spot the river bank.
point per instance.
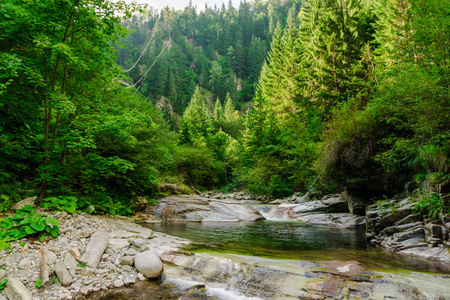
(56, 269)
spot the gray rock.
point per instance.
(27, 201)
(63, 275)
(148, 264)
(302, 199)
(122, 234)
(127, 268)
(127, 260)
(400, 228)
(117, 244)
(15, 290)
(130, 252)
(69, 260)
(3, 273)
(416, 233)
(95, 249)
(435, 231)
(409, 219)
(138, 229)
(26, 262)
(139, 244)
(86, 289)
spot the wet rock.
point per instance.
(15, 290)
(148, 264)
(95, 249)
(63, 275)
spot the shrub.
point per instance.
(26, 223)
(431, 205)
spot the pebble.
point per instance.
(118, 283)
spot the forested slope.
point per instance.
(269, 97)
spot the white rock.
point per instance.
(15, 290)
(149, 264)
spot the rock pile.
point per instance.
(90, 254)
(394, 226)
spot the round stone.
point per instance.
(149, 264)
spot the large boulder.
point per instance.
(149, 264)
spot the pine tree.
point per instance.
(196, 118)
(218, 117)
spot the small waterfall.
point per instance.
(269, 212)
(282, 212)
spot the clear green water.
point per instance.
(293, 240)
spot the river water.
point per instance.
(293, 240)
(270, 242)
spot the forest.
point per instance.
(105, 101)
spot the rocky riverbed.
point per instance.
(91, 254)
(97, 256)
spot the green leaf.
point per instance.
(38, 226)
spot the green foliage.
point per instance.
(82, 265)
(24, 223)
(61, 203)
(3, 283)
(431, 205)
(39, 282)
